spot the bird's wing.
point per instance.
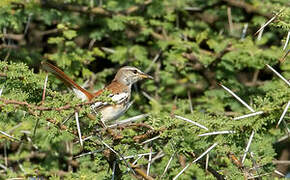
(80, 92)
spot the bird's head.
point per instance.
(129, 75)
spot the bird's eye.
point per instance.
(135, 71)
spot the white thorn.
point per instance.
(287, 40)
(216, 132)
(149, 140)
(284, 113)
(78, 126)
(266, 24)
(279, 75)
(131, 119)
(1, 90)
(149, 162)
(167, 166)
(139, 155)
(279, 173)
(114, 168)
(206, 161)
(249, 115)
(248, 147)
(203, 154)
(188, 120)
(238, 98)
(5, 134)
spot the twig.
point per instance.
(137, 7)
(247, 7)
(256, 177)
(118, 154)
(68, 118)
(16, 37)
(287, 41)
(188, 120)
(248, 115)
(280, 162)
(203, 154)
(85, 139)
(248, 146)
(109, 50)
(237, 97)
(137, 160)
(148, 96)
(43, 108)
(78, 126)
(88, 153)
(283, 114)
(42, 102)
(282, 138)
(15, 127)
(279, 75)
(193, 9)
(5, 154)
(142, 173)
(2, 46)
(216, 132)
(35, 127)
(230, 21)
(281, 60)
(80, 9)
(255, 166)
(113, 170)
(159, 155)
(153, 62)
(3, 167)
(27, 24)
(91, 44)
(9, 51)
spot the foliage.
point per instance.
(194, 49)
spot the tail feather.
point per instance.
(67, 80)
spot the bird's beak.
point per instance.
(145, 76)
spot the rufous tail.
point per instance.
(67, 80)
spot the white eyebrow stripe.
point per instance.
(132, 69)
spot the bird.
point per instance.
(119, 88)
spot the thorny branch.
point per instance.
(43, 108)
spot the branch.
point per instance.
(141, 172)
(43, 108)
(247, 7)
(3, 74)
(16, 37)
(137, 7)
(75, 8)
(3, 46)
